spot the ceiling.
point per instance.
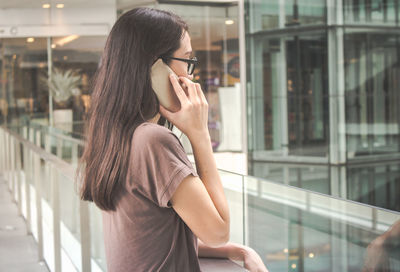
(206, 24)
(121, 4)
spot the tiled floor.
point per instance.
(18, 250)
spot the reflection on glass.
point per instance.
(214, 35)
(376, 184)
(372, 12)
(265, 15)
(295, 230)
(22, 61)
(371, 79)
(288, 102)
(75, 60)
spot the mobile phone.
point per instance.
(162, 86)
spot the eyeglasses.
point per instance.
(191, 63)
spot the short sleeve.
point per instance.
(158, 163)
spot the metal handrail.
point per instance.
(12, 144)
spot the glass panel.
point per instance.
(310, 177)
(296, 230)
(22, 95)
(372, 12)
(375, 184)
(233, 188)
(288, 98)
(97, 249)
(371, 80)
(75, 60)
(265, 15)
(69, 221)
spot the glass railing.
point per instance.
(292, 229)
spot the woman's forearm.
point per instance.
(208, 173)
(230, 250)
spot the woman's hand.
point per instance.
(252, 261)
(376, 258)
(236, 252)
(192, 118)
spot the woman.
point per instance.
(154, 204)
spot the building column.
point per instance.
(337, 122)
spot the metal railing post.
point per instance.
(54, 183)
(38, 191)
(6, 157)
(59, 148)
(85, 235)
(13, 172)
(74, 154)
(2, 153)
(27, 189)
(18, 174)
(9, 178)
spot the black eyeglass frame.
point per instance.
(191, 63)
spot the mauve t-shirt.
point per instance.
(145, 233)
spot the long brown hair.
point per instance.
(123, 98)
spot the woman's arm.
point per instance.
(251, 260)
(199, 201)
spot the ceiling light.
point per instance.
(229, 22)
(46, 6)
(53, 46)
(60, 6)
(30, 40)
(311, 255)
(67, 39)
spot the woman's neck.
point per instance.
(154, 119)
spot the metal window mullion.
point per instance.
(337, 120)
(243, 79)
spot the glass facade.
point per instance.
(322, 96)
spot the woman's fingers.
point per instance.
(191, 89)
(200, 93)
(178, 89)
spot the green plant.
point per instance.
(63, 84)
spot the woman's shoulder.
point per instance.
(153, 133)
